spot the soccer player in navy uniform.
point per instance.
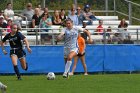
(16, 40)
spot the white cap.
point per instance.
(1, 17)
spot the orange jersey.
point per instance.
(81, 44)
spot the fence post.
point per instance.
(75, 3)
(130, 13)
(106, 7)
(114, 7)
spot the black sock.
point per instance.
(17, 71)
(26, 66)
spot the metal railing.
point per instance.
(36, 35)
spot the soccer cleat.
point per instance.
(3, 88)
(71, 74)
(65, 75)
(85, 74)
(19, 78)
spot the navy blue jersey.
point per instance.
(15, 40)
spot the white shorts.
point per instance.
(68, 50)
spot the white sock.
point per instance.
(67, 66)
(1, 85)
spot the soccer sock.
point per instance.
(17, 71)
(67, 66)
(26, 66)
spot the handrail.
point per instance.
(23, 17)
(132, 2)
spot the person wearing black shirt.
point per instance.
(16, 40)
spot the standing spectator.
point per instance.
(8, 12)
(56, 18)
(80, 15)
(28, 12)
(16, 40)
(81, 55)
(73, 17)
(70, 44)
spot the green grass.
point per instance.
(108, 83)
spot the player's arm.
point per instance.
(2, 44)
(3, 49)
(27, 45)
(22, 37)
(60, 36)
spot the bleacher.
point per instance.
(111, 21)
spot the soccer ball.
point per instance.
(50, 76)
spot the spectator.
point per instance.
(45, 22)
(46, 11)
(85, 34)
(80, 15)
(123, 29)
(89, 15)
(100, 29)
(28, 12)
(63, 17)
(72, 7)
(56, 18)
(73, 17)
(40, 9)
(116, 39)
(8, 12)
(108, 35)
(2, 25)
(36, 18)
(128, 40)
(9, 25)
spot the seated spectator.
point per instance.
(73, 17)
(128, 40)
(9, 25)
(89, 15)
(85, 34)
(36, 18)
(56, 18)
(45, 22)
(100, 28)
(80, 15)
(40, 9)
(2, 25)
(107, 36)
(116, 39)
(46, 12)
(123, 29)
(28, 12)
(8, 12)
(72, 7)
(62, 16)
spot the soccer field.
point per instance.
(108, 83)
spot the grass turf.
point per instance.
(108, 83)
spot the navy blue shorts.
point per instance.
(79, 55)
(20, 53)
